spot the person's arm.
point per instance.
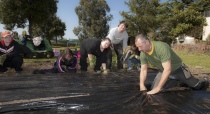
(104, 66)
(163, 79)
(90, 57)
(142, 77)
(59, 65)
(73, 63)
(125, 42)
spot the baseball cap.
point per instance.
(6, 33)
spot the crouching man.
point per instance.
(10, 53)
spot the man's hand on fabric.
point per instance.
(154, 90)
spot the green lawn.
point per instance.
(195, 60)
(201, 61)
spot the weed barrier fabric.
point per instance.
(116, 93)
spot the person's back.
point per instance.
(161, 52)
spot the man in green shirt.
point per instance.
(170, 65)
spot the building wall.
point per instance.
(206, 29)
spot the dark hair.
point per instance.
(103, 39)
(123, 22)
(67, 51)
(134, 49)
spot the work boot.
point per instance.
(204, 84)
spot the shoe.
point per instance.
(129, 69)
(204, 84)
(18, 73)
(97, 72)
(138, 68)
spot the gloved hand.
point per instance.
(105, 72)
(91, 64)
(64, 68)
(2, 58)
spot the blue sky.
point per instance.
(67, 14)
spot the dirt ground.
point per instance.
(28, 69)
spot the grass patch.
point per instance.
(195, 60)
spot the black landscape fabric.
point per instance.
(116, 93)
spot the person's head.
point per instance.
(6, 37)
(24, 33)
(122, 26)
(134, 49)
(37, 41)
(67, 54)
(105, 43)
(142, 43)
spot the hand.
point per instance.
(143, 88)
(91, 64)
(154, 91)
(136, 56)
(112, 47)
(105, 72)
(2, 58)
(64, 67)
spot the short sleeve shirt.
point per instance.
(162, 53)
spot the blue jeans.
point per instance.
(132, 60)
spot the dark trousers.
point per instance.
(119, 52)
(14, 62)
(176, 78)
(83, 60)
(98, 63)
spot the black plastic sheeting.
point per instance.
(116, 93)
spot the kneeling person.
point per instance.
(66, 63)
(96, 47)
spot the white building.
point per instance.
(206, 29)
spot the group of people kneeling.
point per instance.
(159, 54)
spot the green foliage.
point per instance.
(17, 13)
(165, 21)
(93, 19)
(141, 17)
(53, 28)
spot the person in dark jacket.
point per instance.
(98, 48)
(66, 63)
(10, 53)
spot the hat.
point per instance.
(5, 33)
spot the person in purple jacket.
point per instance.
(66, 63)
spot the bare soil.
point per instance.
(28, 69)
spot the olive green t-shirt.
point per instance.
(162, 52)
